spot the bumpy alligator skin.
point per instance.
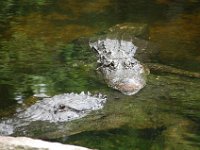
(60, 108)
(118, 65)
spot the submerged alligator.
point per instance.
(120, 54)
(117, 62)
(118, 65)
(59, 108)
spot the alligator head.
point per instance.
(118, 65)
(59, 108)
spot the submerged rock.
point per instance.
(59, 108)
(24, 143)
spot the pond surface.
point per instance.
(39, 56)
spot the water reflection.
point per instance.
(6, 96)
(177, 40)
(37, 56)
(116, 138)
(31, 67)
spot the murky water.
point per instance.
(37, 56)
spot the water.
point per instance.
(37, 56)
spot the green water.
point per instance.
(39, 53)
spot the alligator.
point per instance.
(118, 65)
(59, 108)
(120, 53)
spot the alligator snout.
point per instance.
(129, 87)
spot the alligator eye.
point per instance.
(133, 63)
(61, 106)
(105, 51)
(109, 53)
(127, 64)
(112, 65)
